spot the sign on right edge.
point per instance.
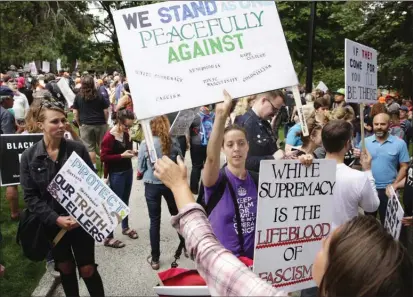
(360, 73)
(394, 216)
(294, 214)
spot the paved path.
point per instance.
(125, 271)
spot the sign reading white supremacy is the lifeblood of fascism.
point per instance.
(295, 207)
(360, 73)
(87, 198)
(394, 215)
(183, 54)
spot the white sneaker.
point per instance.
(50, 267)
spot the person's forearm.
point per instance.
(400, 184)
(402, 173)
(184, 194)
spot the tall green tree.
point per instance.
(43, 30)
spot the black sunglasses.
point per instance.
(50, 104)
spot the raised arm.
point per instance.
(210, 173)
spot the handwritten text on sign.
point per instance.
(294, 215)
(201, 47)
(87, 198)
(360, 73)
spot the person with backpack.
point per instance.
(164, 145)
(230, 196)
(200, 132)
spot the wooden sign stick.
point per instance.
(59, 236)
(363, 143)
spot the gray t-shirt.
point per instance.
(7, 122)
(393, 107)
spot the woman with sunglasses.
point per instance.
(39, 165)
(116, 153)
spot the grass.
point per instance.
(21, 275)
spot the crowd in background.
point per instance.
(246, 130)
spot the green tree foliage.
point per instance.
(44, 30)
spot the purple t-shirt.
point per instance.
(223, 219)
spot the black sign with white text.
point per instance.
(11, 148)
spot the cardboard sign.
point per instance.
(394, 215)
(67, 92)
(12, 147)
(295, 207)
(360, 73)
(46, 66)
(183, 54)
(182, 122)
(322, 86)
(87, 198)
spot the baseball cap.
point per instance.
(341, 91)
(404, 108)
(5, 91)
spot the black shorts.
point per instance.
(76, 245)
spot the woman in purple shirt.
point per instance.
(233, 142)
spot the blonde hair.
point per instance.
(345, 113)
(31, 121)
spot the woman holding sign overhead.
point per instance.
(231, 192)
(39, 165)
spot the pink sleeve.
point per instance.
(224, 274)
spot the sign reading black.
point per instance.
(11, 148)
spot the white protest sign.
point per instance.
(295, 208)
(66, 91)
(394, 215)
(360, 73)
(26, 67)
(46, 66)
(182, 54)
(59, 64)
(33, 68)
(322, 86)
(87, 198)
(182, 122)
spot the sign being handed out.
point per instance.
(294, 214)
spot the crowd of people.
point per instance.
(359, 258)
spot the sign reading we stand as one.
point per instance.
(295, 209)
(182, 54)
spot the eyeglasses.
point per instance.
(49, 104)
(274, 109)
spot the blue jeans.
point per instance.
(121, 184)
(153, 194)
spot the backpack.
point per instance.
(216, 197)
(32, 237)
(206, 127)
(54, 89)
